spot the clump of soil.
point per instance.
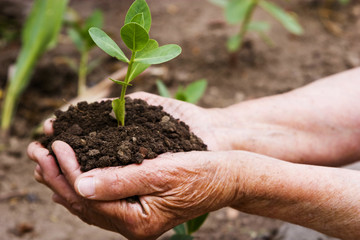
(98, 141)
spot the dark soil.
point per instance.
(99, 142)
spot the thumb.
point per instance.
(116, 183)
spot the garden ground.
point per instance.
(330, 45)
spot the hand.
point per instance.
(171, 189)
(207, 124)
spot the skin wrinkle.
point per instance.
(283, 201)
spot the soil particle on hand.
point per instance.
(99, 142)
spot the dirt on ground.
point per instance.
(330, 44)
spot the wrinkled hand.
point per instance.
(171, 189)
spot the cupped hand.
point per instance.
(170, 189)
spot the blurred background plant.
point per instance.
(344, 2)
(78, 32)
(38, 35)
(241, 12)
(192, 93)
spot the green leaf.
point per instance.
(120, 82)
(139, 18)
(76, 38)
(233, 43)
(163, 91)
(180, 229)
(236, 10)
(159, 55)
(194, 91)
(134, 36)
(138, 68)
(151, 45)
(287, 20)
(107, 44)
(194, 224)
(139, 6)
(258, 26)
(181, 237)
(220, 3)
(344, 2)
(118, 106)
(180, 94)
(44, 23)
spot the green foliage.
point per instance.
(104, 42)
(194, 224)
(344, 2)
(241, 12)
(144, 51)
(192, 93)
(78, 32)
(287, 20)
(236, 10)
(39, 34)
(78, 28)
(134, 36)
(181, 237)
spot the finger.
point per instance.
(49, 174)
(38, 175)
(122, 182)
(67, 161)
(31, 148)
(48, 126)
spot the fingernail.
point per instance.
(86, 187)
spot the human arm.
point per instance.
(174, 188)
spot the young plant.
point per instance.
(344, 2)
(39, 34)
(192, 93)
(144, 51)
(78, 32)
(241, 12)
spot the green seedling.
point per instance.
(191, 93)
(144, 51)
(78, 32)
(344, 2)
(241, 12)
(39, 34)
(185, 230)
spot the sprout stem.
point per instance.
(124, 87)
(246, 22)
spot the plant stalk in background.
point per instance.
(241, 12)
(78, 32)
(39, 34)
(144, 51)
